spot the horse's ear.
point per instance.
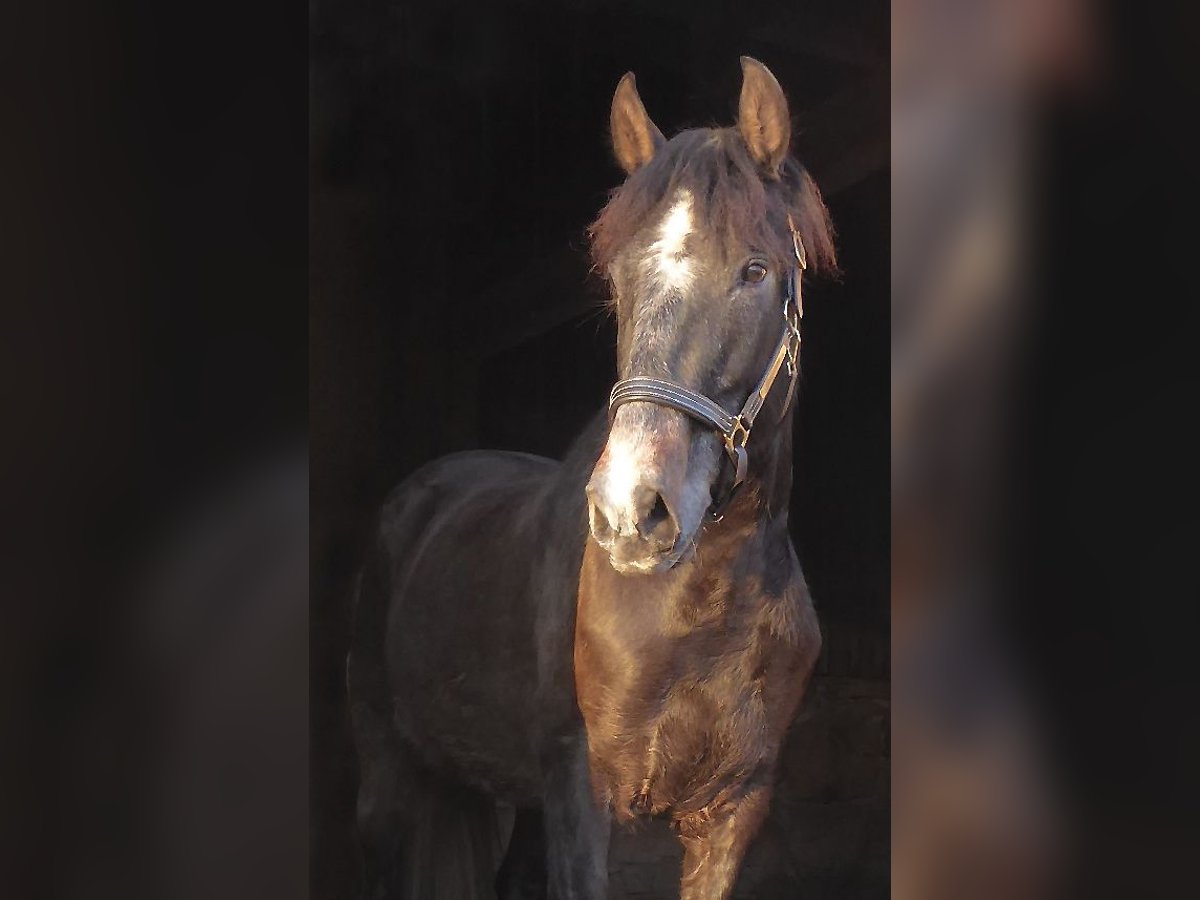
(763, 115)
(634, 137)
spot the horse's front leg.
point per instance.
(715, 841)
(577, 828)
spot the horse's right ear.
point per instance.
(634, 137)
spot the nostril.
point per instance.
(657, 525)
(602, 530)
(658, 513)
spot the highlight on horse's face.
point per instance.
(697, 305)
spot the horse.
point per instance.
(628, 632)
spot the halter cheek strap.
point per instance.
(734, 429)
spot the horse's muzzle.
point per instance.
(639, 536)
(640, 507)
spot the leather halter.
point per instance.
(734, 429)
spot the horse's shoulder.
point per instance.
(500, 462)
(468, 470)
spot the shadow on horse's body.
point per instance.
(583, 640)
(482, 551)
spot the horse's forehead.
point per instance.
(673, 245)
(667, 256)
(677, 223)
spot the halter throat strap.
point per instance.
(734, 429)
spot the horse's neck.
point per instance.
(748, 553)
(752, 534)
(581, 456)
(771, 468)
(565, 493)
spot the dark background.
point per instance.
(153, 352)
(458, 152)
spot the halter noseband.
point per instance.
(734, 429)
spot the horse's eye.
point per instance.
(754, 273)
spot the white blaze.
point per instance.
(671, 267)
(629, 455)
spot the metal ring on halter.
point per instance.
(739, 429)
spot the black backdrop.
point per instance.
(457, 153)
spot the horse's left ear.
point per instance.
(763, 115)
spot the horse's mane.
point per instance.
(729, 192)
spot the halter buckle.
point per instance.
(797, 244)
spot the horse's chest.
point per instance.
(705, 737)
(684, 703)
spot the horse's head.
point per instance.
(697, 248)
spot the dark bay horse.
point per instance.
(625, 633)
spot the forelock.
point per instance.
(729, 198)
